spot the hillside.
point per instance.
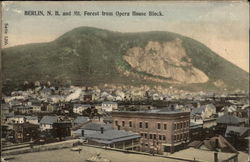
(93, 56)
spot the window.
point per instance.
(151, 136)
(163, 138)
(146, 125)
(116, 122)
(130, 123)
(141, 134)
(146, 135)
(180, 136)
(180, 125)
(184, 125)
(158, 125)
(140, 124)
(174, 126)
(174, 137)
(123, 123)
(159, 137)
(165, 126)
(154, 136)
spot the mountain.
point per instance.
(87, 55)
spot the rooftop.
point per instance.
(49, 119)
(201, 155)
(110, 136)
(97, 126)
(229, 119)
(81, 119)
(155, 111)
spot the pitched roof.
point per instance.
(223, 144)
(81, 105)
(31, 117)
(109, 102)
(110, 136)
(229, 119)
(199, 110)
(49, 119)
(195, 144)
(97, 126)
(240, 130)
(81, 119)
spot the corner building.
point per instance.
(160, 130)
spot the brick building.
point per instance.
(25, 132)
(161, 130)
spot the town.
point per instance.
(166, 123)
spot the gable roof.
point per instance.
(82, 105)
(81, 119)
(229, 119)
(201, 109)
(240, 130)
(31, 117)
(210, 144)
(49, 119)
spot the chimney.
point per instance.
(216, 157)
(216, 143)
(82, 133)
(102, 129)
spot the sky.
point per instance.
(222, 26)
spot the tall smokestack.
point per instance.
(82, 133)
(216, 157)
(102, 129)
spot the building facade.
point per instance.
(160, 131)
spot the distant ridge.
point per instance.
(88, 55)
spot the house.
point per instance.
(22, 109)
(32, 119)
(228, 120)
(109, 106)
(79, 108)
(205, 111)
(51, 108)
(36, 106)
(18, 119)
(46, 122)
(238, 136)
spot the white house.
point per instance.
(109, 106)
(18, 119)
(205, 111)
(79, 108)
(32, 119)
(47, 122)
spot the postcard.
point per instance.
(125, 81)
